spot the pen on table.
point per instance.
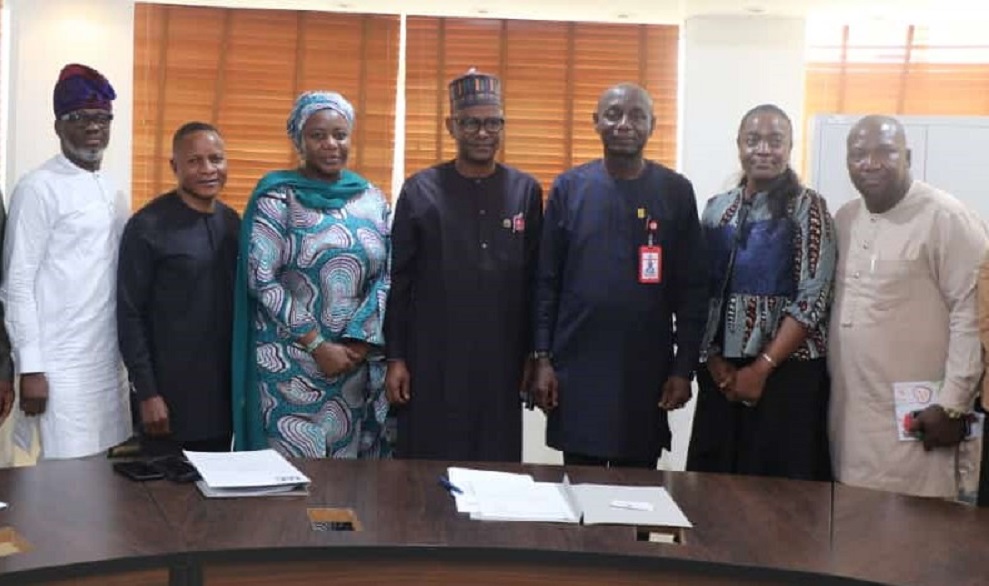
(449, 486)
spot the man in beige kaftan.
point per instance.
(904, 311)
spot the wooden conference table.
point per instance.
(86, 525)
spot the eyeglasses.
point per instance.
(83, 119)
(473, 125)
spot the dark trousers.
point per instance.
(572, 459)
(154, 447)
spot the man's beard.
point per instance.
(87, 154)
(465, 154)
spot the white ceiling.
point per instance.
(645, 11)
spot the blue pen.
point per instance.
(449, 486)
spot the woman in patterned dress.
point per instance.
(311, 287)
(763, 401)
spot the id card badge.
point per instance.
(651, 265)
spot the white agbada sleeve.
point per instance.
(29, 227)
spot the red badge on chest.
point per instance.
(518, 223)
(650, 264)
(650, 255)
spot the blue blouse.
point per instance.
(783, 267)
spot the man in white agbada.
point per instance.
(904, 312)
(59, 261)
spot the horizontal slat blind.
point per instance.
(535, 91)
(552, 73)
(438, 50)
(241, 70)
(898, 69)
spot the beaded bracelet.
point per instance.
(315, 343)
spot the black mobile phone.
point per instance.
(176, 469)
(138, 471)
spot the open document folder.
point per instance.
(241, 474)
(502, 496)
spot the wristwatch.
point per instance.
(540, 354)
(966, 418)
(952, 413)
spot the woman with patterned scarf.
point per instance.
(312, 280)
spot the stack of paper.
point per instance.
(501, 496)
(242, 474)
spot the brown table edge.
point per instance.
(186, 568)
(177, 565)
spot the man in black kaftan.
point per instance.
(175, 302)
(457, 326)
(620, 300)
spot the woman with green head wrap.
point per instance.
(312, 280)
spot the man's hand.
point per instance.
(34, 393)
(397, 382)
(547, 386)
(722, 372)
(334, 359)
(527, 394)
(6, 399)
(154, 416)
(936, 429)
(676, 393)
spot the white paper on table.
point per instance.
(245, 469)
(503, 496)
(474, 484)
(542, 501)
(917, 396)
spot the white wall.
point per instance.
(534, 447)
(47, 35)
(731, 63)
(940, 147)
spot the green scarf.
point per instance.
(315, 194)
